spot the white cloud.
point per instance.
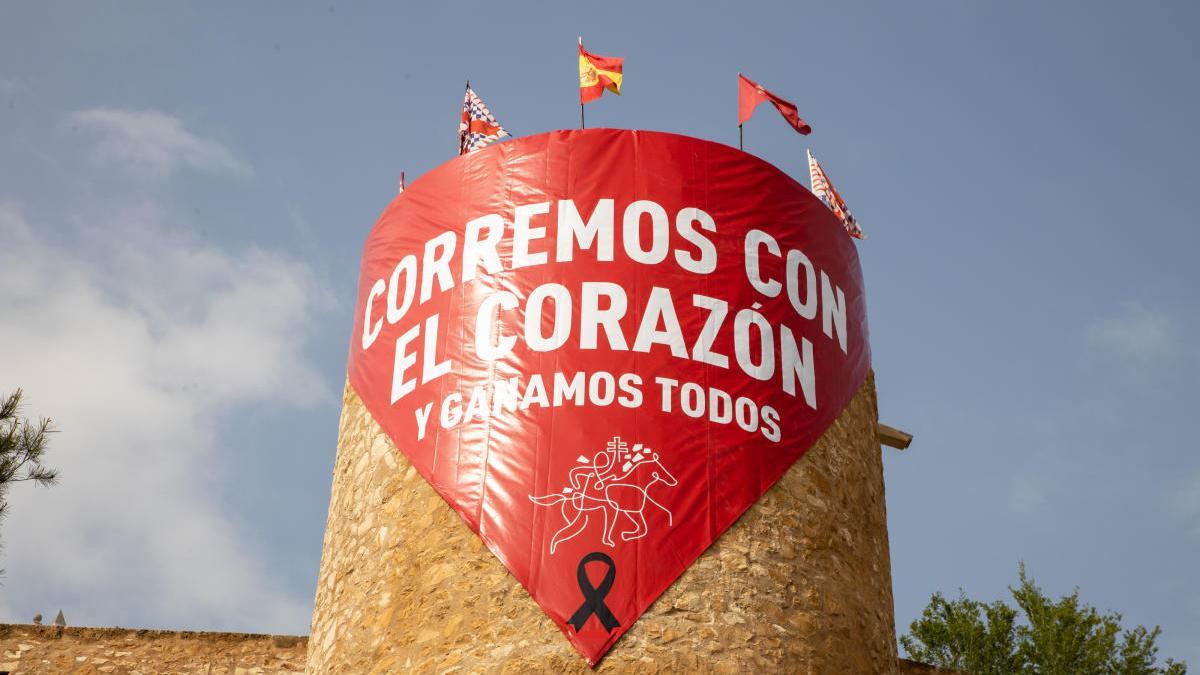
(136, 347)
(154, 143)
(1137, 333)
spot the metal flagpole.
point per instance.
(582, 122)
(740, 138)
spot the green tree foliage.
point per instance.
(22, 446)
(1040, 635)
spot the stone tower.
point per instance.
(713, 276)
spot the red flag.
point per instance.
(751, 93)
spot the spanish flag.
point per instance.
(597, 73)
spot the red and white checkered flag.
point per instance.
(824, 190)
(478, 127)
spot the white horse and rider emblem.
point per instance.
(615, 483)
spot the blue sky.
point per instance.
(184, 192)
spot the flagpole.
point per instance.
(740, 138)
(582, 121)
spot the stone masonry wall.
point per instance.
(34, 650)
(801, 583)
(43, 649)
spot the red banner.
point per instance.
(601, 347)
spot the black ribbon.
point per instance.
(593, 596)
